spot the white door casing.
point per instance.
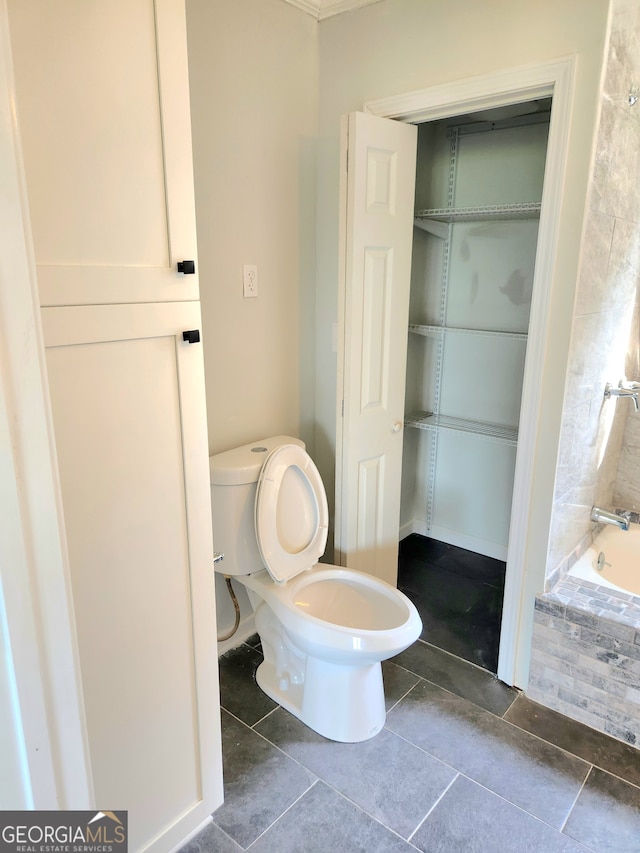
(525, 577)
(377, 200)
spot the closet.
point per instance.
(478, 192)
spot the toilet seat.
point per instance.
(291, 513)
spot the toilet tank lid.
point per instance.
(242, 465)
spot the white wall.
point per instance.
(253, 67)
(402, 45)
(254, 91)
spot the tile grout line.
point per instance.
(280, 816)
(573, 804)
(274, 745)
(368, 814)
(433, 806)
(459, 773)
(404, 695)
(257, 722)
(512, 725)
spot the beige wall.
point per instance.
(253, 69)
(402, 45)
(254, 88)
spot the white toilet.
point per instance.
(324, 629)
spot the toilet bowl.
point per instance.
(324, 629)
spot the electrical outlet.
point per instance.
(249, 281)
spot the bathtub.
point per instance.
(621, 549)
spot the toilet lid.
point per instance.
(291, 513)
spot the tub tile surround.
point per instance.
(585, 660)
(444, 774)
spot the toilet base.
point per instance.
(342, 703)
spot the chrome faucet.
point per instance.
(604, 516)
(624, 389)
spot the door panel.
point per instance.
(379, 214)
(128, 408)
(105, 128)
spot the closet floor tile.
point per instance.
(459, 597)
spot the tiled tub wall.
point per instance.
(585, 658)
(597, 462)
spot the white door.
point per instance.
(378, 204)
(103, 105)
(127, 395)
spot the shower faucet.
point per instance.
(624, 389)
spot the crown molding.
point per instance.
(312, 7)
(335, 7)
(320, 9)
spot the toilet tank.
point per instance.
(234, 481)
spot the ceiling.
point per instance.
(320, 9)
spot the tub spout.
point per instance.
(604, 516)
(624, 389)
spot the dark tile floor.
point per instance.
(464, 763)
(458, 594)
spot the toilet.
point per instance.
(324, 629)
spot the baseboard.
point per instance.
(453, 537)
(246, 629)
(205, 823)
(471, 543)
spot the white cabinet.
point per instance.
(103, 100)
(127, 395)
(103, 106)
(478, 195)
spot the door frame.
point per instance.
(524, 579)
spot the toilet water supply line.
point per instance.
(216, 559)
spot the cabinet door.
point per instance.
(103, 105)
(127, 395)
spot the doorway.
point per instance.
(522, 580)
(479, 180)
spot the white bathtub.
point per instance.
(621, 550)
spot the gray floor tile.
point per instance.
(260, 782)
(540, 778)
(397, 682)
(606, 817)
(389, 778)
(470, 819)
(212, 840)
(324, 821)
(458, 676)
(606, 752)
(239, 692)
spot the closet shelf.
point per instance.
(494, 432)
(525, 210)
(440, 331)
